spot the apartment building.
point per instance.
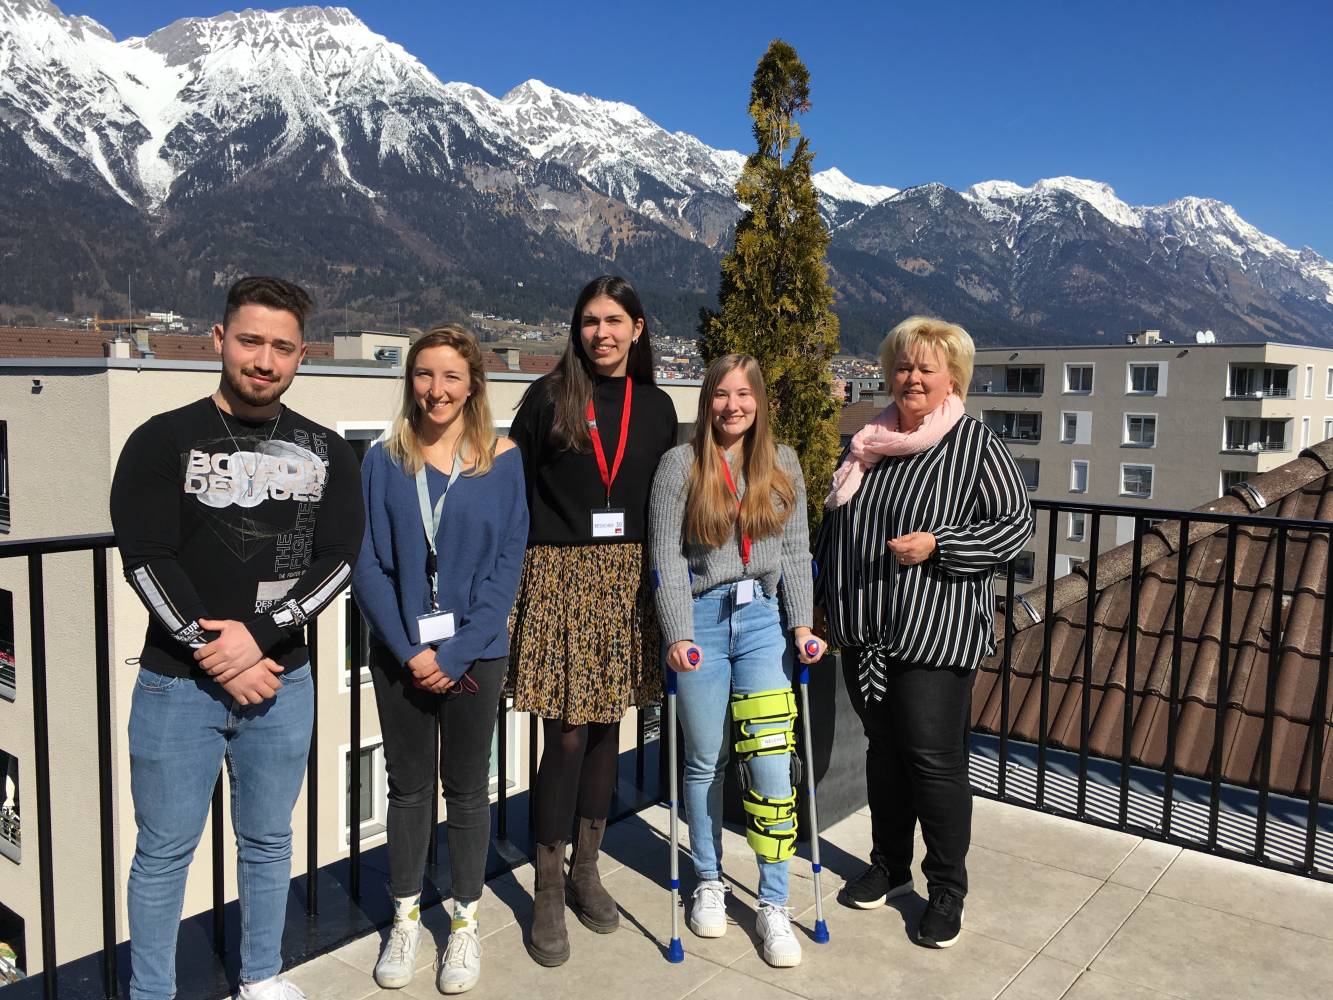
(63, 423)
(1146, 423)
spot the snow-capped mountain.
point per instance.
(302, 140)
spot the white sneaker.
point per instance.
(273, 988)
(708, 914)
(461, 966)
(398, 960)
(781, 949)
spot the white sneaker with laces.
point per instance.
(708, 914)
(461, 966)
(398, 960)
(273, 988)
(781, 948)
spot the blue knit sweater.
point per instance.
(483, 533)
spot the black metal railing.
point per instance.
(105, 980)
(1207, 809)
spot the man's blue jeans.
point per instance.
(181, 731)
(745, 649)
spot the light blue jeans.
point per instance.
(745, 649)
(181, 731)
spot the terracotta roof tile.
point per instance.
(1300, 490)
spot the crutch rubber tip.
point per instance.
(821, 932)
(811, 647)
(676, 951)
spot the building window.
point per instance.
(13, 967)
(1263, 382)
(1141, 430)
(1136, 480)
(1068, 427)
(1025, 566)
(1012, 426)
(1328, 385)
(1031, 470)
(1078, 477)
(1305, 432)
(1144, 379)
(1328, 428)
(1244, 434)
(374, 805)
(8, 676)
(1232, 477)
(1024, 381)
(11, 829)
(1078, 525)
(1078, 379)
(4, 476)
(1309, 381)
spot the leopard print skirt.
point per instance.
(584, 641)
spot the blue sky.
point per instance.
(1228, 100)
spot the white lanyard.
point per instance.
(430, 521)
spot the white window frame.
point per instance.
(1127, 442)
(1161, 378)
(1223, 486)
(1328, 385)
(1064, 564)
(1092, 378)
(1073, 475)
(1309, 381)
(374, 830)
(1068, 434)
(1328, 428)
(1152, 480)
(1305, 432)
(1036, 463)
(1081, 533)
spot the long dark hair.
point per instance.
(571, 381)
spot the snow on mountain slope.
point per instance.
(838, 186)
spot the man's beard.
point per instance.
(249, 393)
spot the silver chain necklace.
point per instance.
(276, 420)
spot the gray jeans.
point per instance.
(463, 723)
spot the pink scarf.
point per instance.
(881, 437)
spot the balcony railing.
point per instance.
(1238, 392)
(1253, 447)
(1043, 755)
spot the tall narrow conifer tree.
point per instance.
(775, 301)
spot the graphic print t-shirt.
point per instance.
(221, 518)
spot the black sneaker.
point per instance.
(943, 920)
(875, 886)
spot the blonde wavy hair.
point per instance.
(953, 343)
(711, 517)
(478, 441)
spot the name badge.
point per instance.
(608, 523)
(744, 592)
(435, 627)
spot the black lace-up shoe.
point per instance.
(942, 922)
(875, 886)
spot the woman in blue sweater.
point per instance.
(446, 528)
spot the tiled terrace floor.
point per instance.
(1057, 909)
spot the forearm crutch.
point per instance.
(675, 951)
(821, 928)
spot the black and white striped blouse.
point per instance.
(968, 492)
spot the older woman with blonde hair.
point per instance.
(925, 504)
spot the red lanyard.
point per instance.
(731, 485)
(610, 477)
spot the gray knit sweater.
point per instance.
(684, 570)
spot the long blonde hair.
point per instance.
(711, 517)
(478, 441)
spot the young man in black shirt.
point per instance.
(237, 520)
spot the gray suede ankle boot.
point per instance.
(592, 904)
(548, 942)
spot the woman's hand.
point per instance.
(805, 637)
(678, 656)
(426, 673)
(912, 548)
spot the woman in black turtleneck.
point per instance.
(585, 641)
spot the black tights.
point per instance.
(579, 768)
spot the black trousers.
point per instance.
(916, 767)
(412, 721)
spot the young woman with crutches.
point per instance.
(731, 550)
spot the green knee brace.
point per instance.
(765, 725)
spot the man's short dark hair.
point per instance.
(276, 293)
